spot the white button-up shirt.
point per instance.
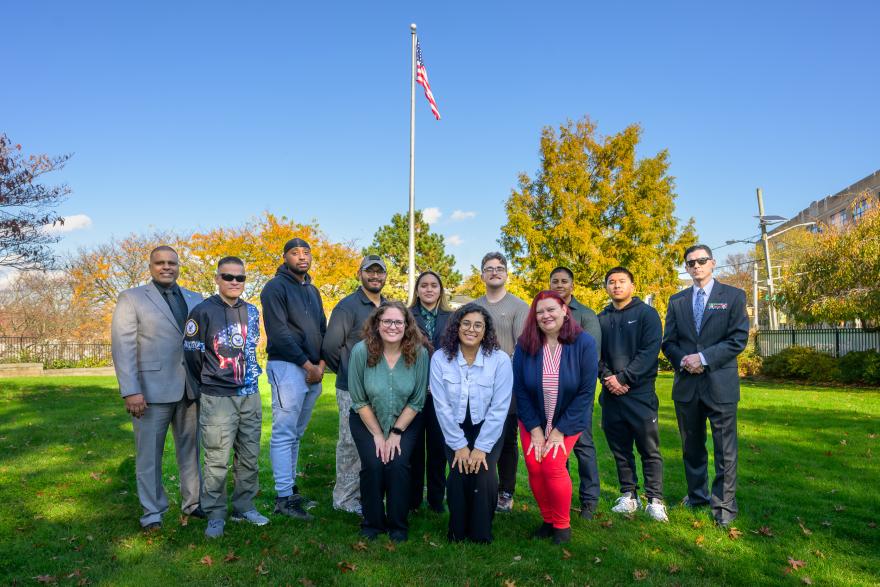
(486, 386)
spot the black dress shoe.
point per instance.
(398, 536)
(561, 535)
(725, 520)
(588, 510)
(198, 513)
(689, 503)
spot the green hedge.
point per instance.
(806, 364)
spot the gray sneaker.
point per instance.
(252, 517)
(215, 528)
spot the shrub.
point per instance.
(860, 367)
(798, 362)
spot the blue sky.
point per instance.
(190, 115)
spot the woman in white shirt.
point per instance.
(471, 382)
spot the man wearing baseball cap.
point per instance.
(293, 316)
(343, 332)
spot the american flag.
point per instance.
(422, 80)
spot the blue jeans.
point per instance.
(292, 403)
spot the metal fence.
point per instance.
(22, 349)
(832, 341)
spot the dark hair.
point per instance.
(532, 338)
(162, 248)
(697, 247)
(230, 259)
(412, 341)
(561, 269)
(442, 302)
(619, 269)
(493, 255)
(449, 342)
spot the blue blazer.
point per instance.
(578, 371)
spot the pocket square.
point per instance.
(716, 306)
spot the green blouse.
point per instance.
(387, 391)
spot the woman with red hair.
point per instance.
(555, 367)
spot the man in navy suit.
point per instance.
(706, 328)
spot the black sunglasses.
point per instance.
(230, 277)
(701, 261)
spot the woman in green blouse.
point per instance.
(387, 378)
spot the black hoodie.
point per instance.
(630, 345)
(293, 315)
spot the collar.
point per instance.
(425, 310)
(173, 288)
(707, 288)
(365, 299)
(478, 361)
(574, 304)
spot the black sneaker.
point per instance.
(198, 513)
(545, 530)
(561, 535)
(588, 510)
(304, 501)
(287, 506)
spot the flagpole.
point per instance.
(411, 277)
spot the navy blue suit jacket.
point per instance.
(724, 333)
(578, 372)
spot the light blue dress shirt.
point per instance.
(486, 386)
(707, 289)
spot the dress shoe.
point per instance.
(561, 535)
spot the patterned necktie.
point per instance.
(699, 306)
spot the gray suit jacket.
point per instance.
(724, 333)
(147, 345)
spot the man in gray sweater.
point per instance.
(508, 316)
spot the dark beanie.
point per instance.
(296, 242)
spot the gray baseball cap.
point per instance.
(371, 260)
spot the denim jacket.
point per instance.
(486, 386)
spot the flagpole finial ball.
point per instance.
(413, 27)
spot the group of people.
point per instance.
(422, 389)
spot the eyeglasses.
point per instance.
(475, 326)
(499, 269)
(388, 323)
(701, 261)
(231, 277)
(374, 272)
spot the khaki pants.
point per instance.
(227, 424)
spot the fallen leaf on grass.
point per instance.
(806, 581)
(872, 524)
(700, 539)
(764, 531)
(697, 524)
(674, 569)
(389, 546)
(794, 565)
(230, 557)
(518, 557)
(597, 560)
(296, 551)
(45, 579)
(359, 546)
(189, 546)
(640, 574)
(805, 530)
(524, 507)
(346, 567)
(734, 533)
(75, 573)
(207, 560)
(566, 554)
(818, 554)
(509, 583)
(843, 442)
(645, 536)
(306, 582)
(839, 508)
(184, 520)
(606, 523)
(95, 476)
(548, 578)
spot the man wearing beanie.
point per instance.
(293, 316)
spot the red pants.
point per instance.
(549, 480)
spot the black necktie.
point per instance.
(177, 307)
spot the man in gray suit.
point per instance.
(706, 328)
(147, 346)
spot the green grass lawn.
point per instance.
(808, 497)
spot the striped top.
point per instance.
(550, 382)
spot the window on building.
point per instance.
(859, 209)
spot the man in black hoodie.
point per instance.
(631, 335)
(293, 315)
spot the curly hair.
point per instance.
(412, 340)
(450, 341)
(532, 338)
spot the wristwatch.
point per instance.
(396, 430)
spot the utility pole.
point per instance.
(755, 294)
(771, 308)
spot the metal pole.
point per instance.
(771, 307)
(411, 276)
(755, 293)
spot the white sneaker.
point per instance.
(656, 510)
(627, 503)
(252, 517)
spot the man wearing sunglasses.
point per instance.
(221, 362)
(706, 329)
(343, 332)
(293, 315)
